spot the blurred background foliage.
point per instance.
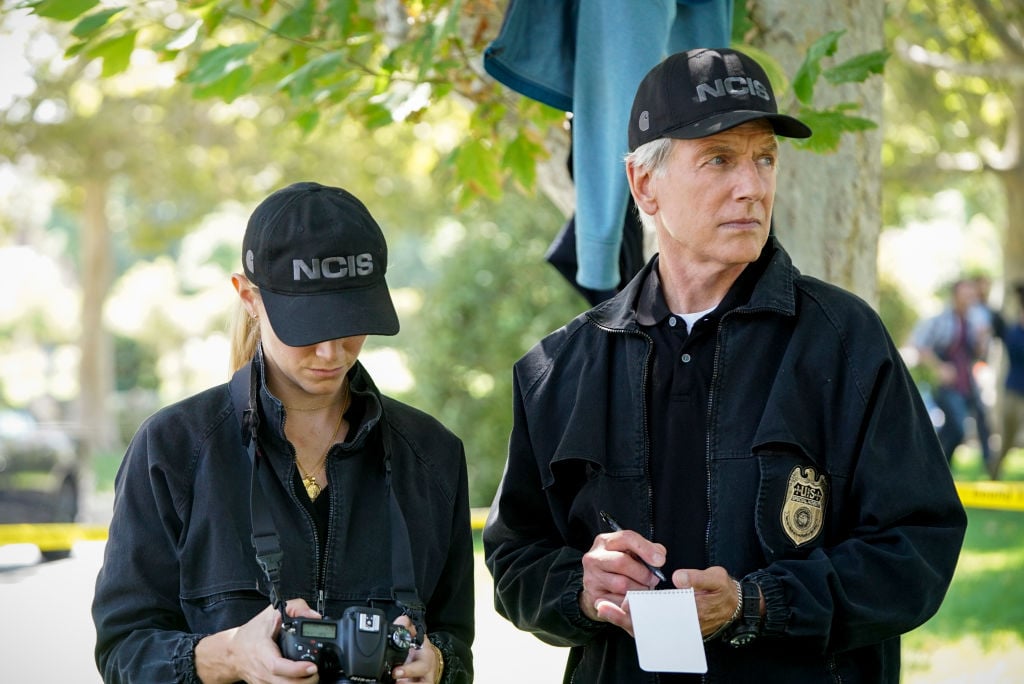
(136, 138)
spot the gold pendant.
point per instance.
(312, 487)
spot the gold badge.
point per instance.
(803, 514)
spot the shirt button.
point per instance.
(672, 322)
(686, 358)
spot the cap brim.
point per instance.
(785, 126)
(302, 320)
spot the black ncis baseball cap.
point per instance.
(319, 260)
(702, 92)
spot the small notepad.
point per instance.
(667, 631)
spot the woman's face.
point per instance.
(294, 374)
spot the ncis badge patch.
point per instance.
(803, 512)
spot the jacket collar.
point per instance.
(774, 291)
(272, 412)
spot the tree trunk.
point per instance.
(828, 207)
(96, 367)
(553, 177)
(1013, 242)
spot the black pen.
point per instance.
(610, 522)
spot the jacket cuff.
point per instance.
(571, 604)
(184, 659)
(455, 671)
(776, 610)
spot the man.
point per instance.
(949, 344)
(1013, 397)
(753, 430)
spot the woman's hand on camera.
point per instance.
(422, 666)
(250, 652)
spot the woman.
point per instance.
(181, 595)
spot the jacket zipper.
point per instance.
(707, 436)
(707, 440)
(647, 447)
(321, 563)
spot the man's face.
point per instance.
(714, 198)
(965, 295)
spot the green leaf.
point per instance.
(829, 125)
(858, 69)
(217, 63)
(94, 22)
(423, 51)
(301, 82)
(776, 74)
(307, 121)
(230, 86)
(298, 23)
(172, 43)
(64, 10)
(373, 114)
(825, 46)
(741, 23)
(341, 13)
(810, 68)
(451, 25)
(477, 168)
(76, 49)
(212, 15)
(116, 53)
(521, 158)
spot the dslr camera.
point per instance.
(362, 646)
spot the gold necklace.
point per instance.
(309, 480)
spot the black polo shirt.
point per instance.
(681, 369)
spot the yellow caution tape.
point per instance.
(477, 518)
(1005, 496)
(51, 536)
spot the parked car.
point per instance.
(39, 483)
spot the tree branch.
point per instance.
(1011, 72)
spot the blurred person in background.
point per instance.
(181, 595)
(948, 346)
(1013, 397)
(987, 316)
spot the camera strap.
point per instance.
(403, 571)
(265, 539)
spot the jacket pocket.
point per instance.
(792, 501)
(218, 608)
(582, 486)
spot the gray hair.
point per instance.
(652, 157)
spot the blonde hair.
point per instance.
(245, 335)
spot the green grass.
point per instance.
(978, 633)
(105, 465)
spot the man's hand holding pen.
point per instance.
(624, 560)
(619, 561)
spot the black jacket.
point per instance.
(806, 377)
(179, 563)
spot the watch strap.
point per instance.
(748, 626)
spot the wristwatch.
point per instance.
(748, 626)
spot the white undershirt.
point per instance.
(691, 318)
